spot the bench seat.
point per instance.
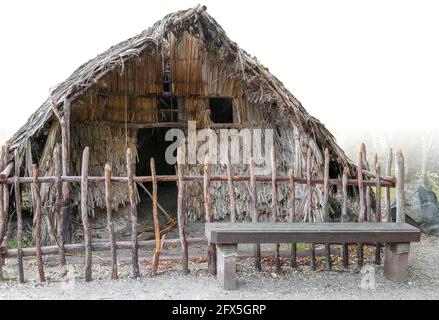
(396, 236)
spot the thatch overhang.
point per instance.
(259, 85)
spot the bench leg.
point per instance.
(226, 265)
(396, 261)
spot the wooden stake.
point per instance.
(180, 212)
(19, 218)
(59, 209)
(3, 216)
(84, 214)
(344, 213)
(38, 222)
(378, 206)
(400, 196)
(292, 217)
(211, 248)
(363, 211)
(133, 211)
(155, 214)
(274, 210)
(365, 165)
(309, 207)
(232, 194)
(387, 194)
(326, 205)
(6, 196)
(110, 222)
(254, 212)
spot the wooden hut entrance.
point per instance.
(152, 144)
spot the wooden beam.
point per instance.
(110, 226)
(254, 211)
(59, 208)
(155, 214)
(180, 212)
(37, 217)
(19, 219)
(84, 214)
(133, 212)
(400, 195)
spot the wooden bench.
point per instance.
(396, 236)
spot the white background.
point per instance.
(352, 64)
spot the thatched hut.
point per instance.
(180, 69)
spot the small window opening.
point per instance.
(221, 110)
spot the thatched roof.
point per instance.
(260, 86)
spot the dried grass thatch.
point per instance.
(203, 61)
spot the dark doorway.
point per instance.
(151, 144)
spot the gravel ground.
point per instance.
(423, 281)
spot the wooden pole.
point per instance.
(6, 196)
(254, 212)
(38, 222)
(365, 165)
(59, 209)
(84, 214)
(110, 222)
(378, 206)
(19, 218)
(292, 217)
(309, 207)
(180, 212)
(326, 205)
(363, 212)
(3, 215)
(274, 209)
(344, 213)
(211, 248)
(387, 194)
(155, 214)
(133, 213)
(400, 196)
(232, 194)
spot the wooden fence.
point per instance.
(365, 180)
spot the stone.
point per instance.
(396, 260)
(422, 209)
(226, 265)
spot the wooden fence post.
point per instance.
(180, 212)
(400, 197)
(211, 248)
(3, 215)
(110, 221)
(366, 166)
(254, 211)
(363, 212)
(309, 207)
(155, 214)
(133, 213)
(274, 209)
(292, 217)
(38, 222)
(377, 205)
(19, 217)
(387, 194)
(84, 213)
(326, 205)
(60, 209)
(344, 214)
(232, 194)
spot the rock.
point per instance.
(422, 209)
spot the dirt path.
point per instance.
(302, 284)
